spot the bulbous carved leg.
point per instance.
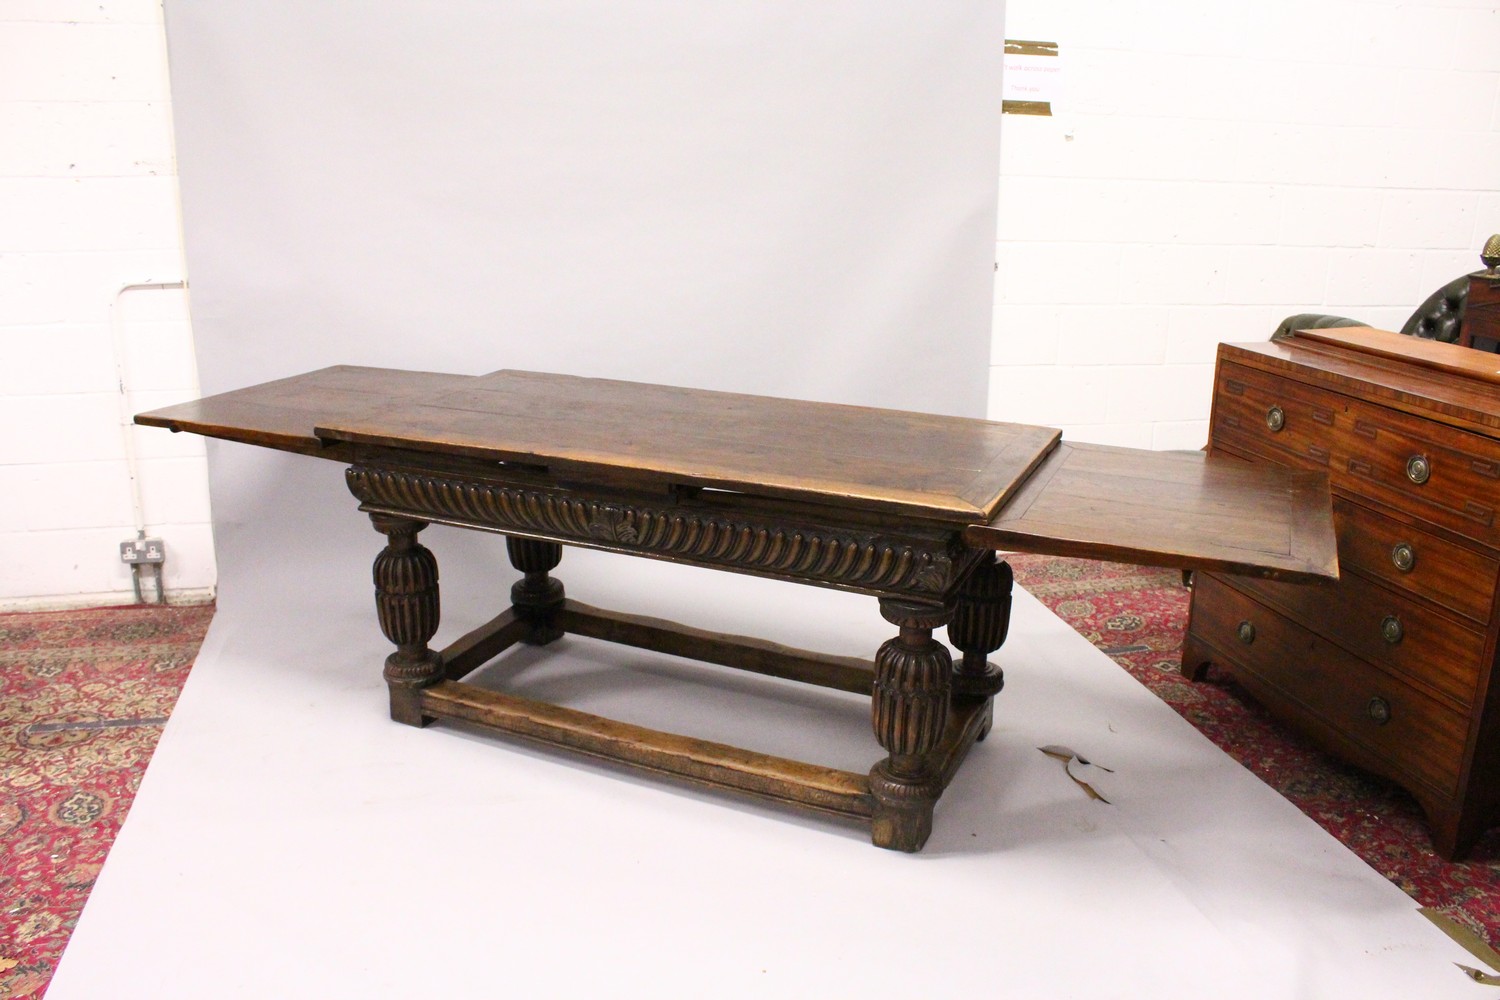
(406, 599)
(981, 618)
(910, 708)
(536, 596)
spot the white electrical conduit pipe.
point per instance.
(127, 430)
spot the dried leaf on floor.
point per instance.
(1084, 772)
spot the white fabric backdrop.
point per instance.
(778, 196)
(781, 195)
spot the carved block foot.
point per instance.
(981, 619)
(913, 674)
(903, 808)
(406, 679)
(537, 596)
(406, 600)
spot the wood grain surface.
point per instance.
(1449, 385)
(1011, 486)
(922, 465)
(1412, 351)
(283, 413)
(1179, 509)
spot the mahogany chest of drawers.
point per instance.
(1393, 667)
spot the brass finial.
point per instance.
(1490, 255)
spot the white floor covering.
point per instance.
(290, 841)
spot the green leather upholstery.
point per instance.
(1440, 317)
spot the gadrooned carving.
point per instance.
(910, 704)
(861, 560)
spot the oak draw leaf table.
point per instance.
(909, 508)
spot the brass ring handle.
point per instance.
(1379, 711)
(1275, 418)
(1403, 556)
(1245, 632)
(1391, 629)
(1418, 469)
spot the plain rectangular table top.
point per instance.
(952, 469)
(283, 413)
(1170, 508)
(1006, 486)
(918, 464)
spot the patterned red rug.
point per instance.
(83, 696)
(1138, 615)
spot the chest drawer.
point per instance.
(1258, 415)
(1415, 561)
(1385, 627)
(1437, 473)
(1399, 729)
(1386, 667)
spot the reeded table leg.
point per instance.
(912, 687)
(981, 619)
(536, 596)
(406, 599)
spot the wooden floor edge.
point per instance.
(842, 793)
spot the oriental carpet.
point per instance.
(83, 697)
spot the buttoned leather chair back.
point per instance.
(1439, 317)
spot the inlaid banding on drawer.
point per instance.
(1385, 627)
(1271, 421)
(1367, 448)
(1413, 737)
(1443, 492)
(1415, 561)
(1424, 471)
(1440, 473)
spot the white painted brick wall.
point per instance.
(88, 199)
(1211, 170)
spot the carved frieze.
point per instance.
(838, 556)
